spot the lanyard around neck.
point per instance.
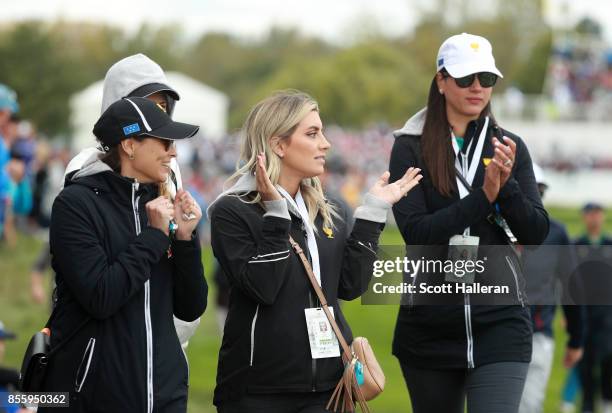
(300, 206)
(468, 169)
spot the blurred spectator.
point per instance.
(8, 107)
(545, 267)
(596, 365)
(9, 378)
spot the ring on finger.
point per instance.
(508, 162)
(189, 216)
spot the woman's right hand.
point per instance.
(492, 181)
(264, 186)
(160, 212)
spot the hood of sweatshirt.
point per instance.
(414, 125)
(129, 74)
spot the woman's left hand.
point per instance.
(392, 193)
(187, 214)
(504, 157)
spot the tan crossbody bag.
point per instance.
(359, 356)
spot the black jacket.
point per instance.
(464, 335)
(114, 269)
(265, 345)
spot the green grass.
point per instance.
(376, 323)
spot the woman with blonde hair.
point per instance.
(267, 361)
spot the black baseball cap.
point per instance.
(150, 88)
(134, 116)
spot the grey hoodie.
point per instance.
(414, 125)
(129, 74)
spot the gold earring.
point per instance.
(131, 156)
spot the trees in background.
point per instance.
(374, 79)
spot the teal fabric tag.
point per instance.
(459, 142)
(359, 373)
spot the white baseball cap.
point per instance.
(464, 54)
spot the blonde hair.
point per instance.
(278, 116)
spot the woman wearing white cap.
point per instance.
(477, 191)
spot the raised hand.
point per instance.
(504, 158)
(392, 193)
(160, 212)
(264, 186)
(492, 180)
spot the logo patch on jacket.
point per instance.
(328, 232)
(486, 161)
(129, 129)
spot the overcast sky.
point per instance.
(335, 20)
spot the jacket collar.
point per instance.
(99, 176)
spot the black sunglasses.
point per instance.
(168, 143)
(486, 79)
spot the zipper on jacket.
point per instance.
(468, 331)
(147, 306)
(253, 335)
(519, 295)
(87, 354)
(368, 247)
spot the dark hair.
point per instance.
(437, 154)
(112, 158)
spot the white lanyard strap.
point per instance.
(468, 170)
(300, 206)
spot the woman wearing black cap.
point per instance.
(136, 76)
(126, 260)
(478, 190)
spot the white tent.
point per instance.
(199, 105)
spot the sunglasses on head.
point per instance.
(486, 79)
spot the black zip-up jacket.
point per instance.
(265, 345)
(462, 334)
(114, 269)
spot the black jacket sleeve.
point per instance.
(417, 225)
(101, 284)
(190, 288)
(359, 256)
(257, 267)
(520, 202)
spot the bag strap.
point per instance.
(62, 343)
(348, 353)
